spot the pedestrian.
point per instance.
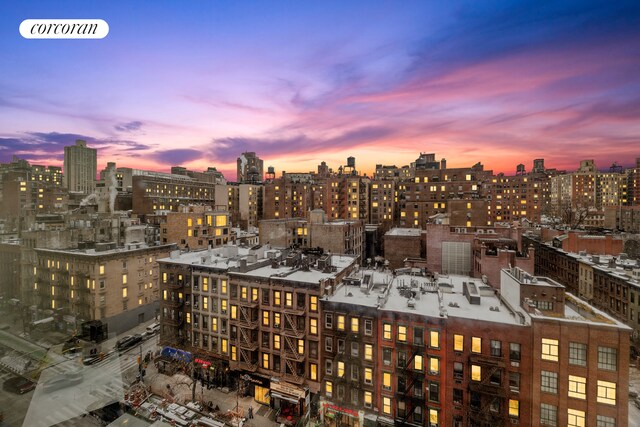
(250, 412)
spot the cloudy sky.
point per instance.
(196, 83)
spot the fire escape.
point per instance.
(293, 331)
(174, 318)
(489, 407)
(408, 378)
(248, 335)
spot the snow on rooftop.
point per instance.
(404, 232)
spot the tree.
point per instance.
(566, 214)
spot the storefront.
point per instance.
(335, 415)
(290, 402)
(257, 387)
(211, 373)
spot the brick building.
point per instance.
(196, 227)
(116, 285)
(403, 243)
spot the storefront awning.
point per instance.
(283, 397)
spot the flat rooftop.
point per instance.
(404, 232)
(297, 274)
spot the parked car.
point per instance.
(18, 385)
(153, 328)
(93, 359)
(128, 341)
(63, 381)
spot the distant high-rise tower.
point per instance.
(250, 168)
(80, 167)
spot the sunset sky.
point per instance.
(196, 83)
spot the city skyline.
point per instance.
(499, 84)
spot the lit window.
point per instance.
(476, 345)
(514, 408)
(606, 392)
(300, 346)
(265, 360)
(386, 405)
(276, 297)
(234, 353)
(276, 342)
(243, 292)
(124, 279)
(386, 331)
(224, 343)
(402, 333)
(368, 352)
(223, 286)
(205, 284)
(434, 417)
(434, 339)
(265, 318)
(234, 311)
(313, 326)
(313, 303)
(576, 418)
(458, 343)
(355, 325)
(288, 299)
(577, 387)
(341, 370)
(418, 362)
(341, 322)
(550, 349)
(368, 376)
(124, 292)
(434, 365)
(313, 369)
(476, 373)
(214, 324)
(386, 380)
(368, 399)
(188, 317)
(205, 303)
(102, 270)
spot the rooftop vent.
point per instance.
(411, 303)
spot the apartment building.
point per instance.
(80, 168)
(196, 227)
(118, 285)
(166, 192)
(448, 350)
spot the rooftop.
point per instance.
(404, 232)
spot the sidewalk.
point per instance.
(181, 388)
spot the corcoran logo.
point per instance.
(64, 29)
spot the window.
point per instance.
(386, 405)
(386, 331)
(575, 418)
(458, 343)
(234, 351)
(602, 421)
(313, 371)
(514, 408)
(300, 346)
(434, 417)
(514, 381)
(214, 324)
(223, 286)
(234, 311)
(243, 292)
(164, 275)
(418, 362)
(265, 318)
(549, 349)
(417, 415)
(386, 356)
(288, 299)
(254, 294)
(476, 373)
(265, 360)
(577, 354)
(368, 376)
(328, 344)
(276, 297)
(368, 352)
(354, 395)
(548, 415)
(355, 372)
(355, 348)
(340, 346)
(124, 279)
(276, 320)
(434, 339)
(223, 306)
(514, 351)
(386, 380)
(549, 382)
(434, 365)
(313, 303)
(328, 388)
(458, 396)
(368, 399)
(355, 325)
(368, 327)
(340, 324)
(340, 372)
(276, 342)
(496, 348)
(458, 370)
(606, 392)
(577, 387)
(313, 326)
(224, 343)
(476, 345)
(402, 333)
(205, 303)
(434, 391)
(124, 292)
(328, 321)
(328, 367)
(607, 358)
